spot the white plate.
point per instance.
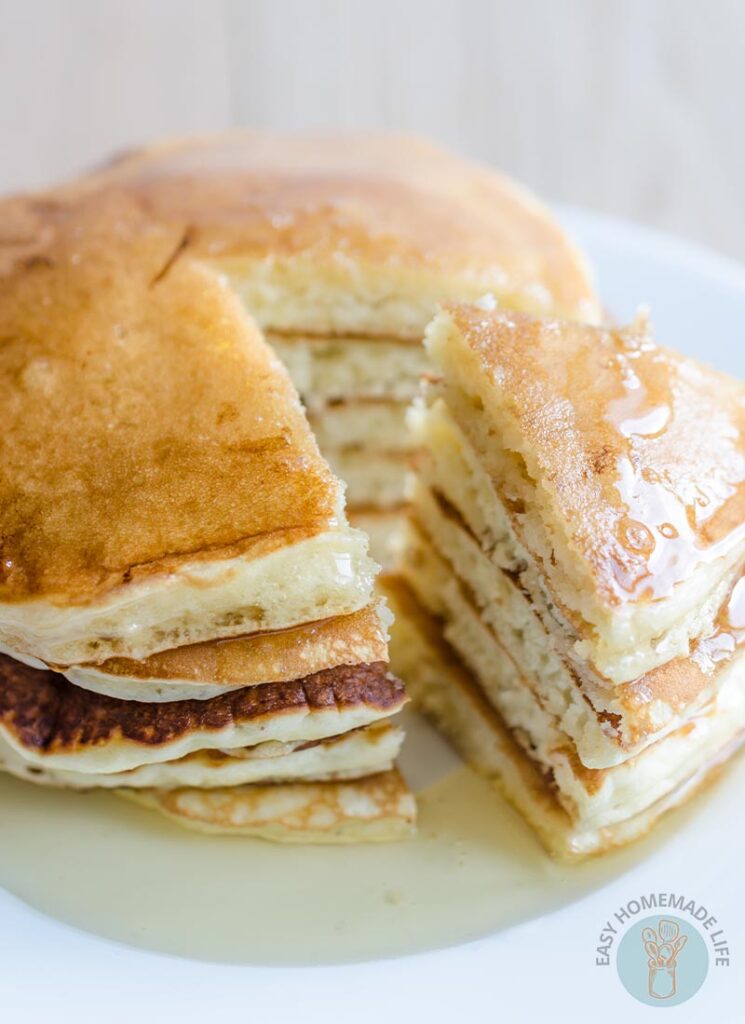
(543, 966)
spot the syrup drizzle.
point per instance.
(729, 632)
(661, 532)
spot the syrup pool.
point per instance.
(103, 865)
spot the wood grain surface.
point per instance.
(628, 106)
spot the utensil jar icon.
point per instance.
(662, 981)
(662, 948)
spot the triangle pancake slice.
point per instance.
(619, 467)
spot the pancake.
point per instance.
(449, 694)
(446, 564)
(53, 724)
(383, 527)
(184, 497)
(516, 674)
(361, 234)
(331, 369)
(202, 671)
(629, 518)
(372, 425)
(378, 808)
(353, 755)
(373, 478)
(575, 612)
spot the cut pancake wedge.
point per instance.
(184, 497)
(580, 547)
(378, 808)
(448, 693)
(632, 517)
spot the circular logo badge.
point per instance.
(662, 961)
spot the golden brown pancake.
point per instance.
(51, 722)
(575, 554)
(154, 452)
(351, 232)
(202, 671)
(158, 394)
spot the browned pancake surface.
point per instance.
(145, 421)
(45, 712)
(264, 657)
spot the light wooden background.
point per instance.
(634, 107)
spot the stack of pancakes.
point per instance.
(573, 614)
(185, 614)
(341, 248)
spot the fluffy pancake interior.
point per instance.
(329, 574)
(334, 369)
(372, 478)
(442, 688)
(371, 425)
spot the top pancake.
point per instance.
(147, 430)
(621, 463)
(353, 233)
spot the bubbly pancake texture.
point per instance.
(378, 808)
